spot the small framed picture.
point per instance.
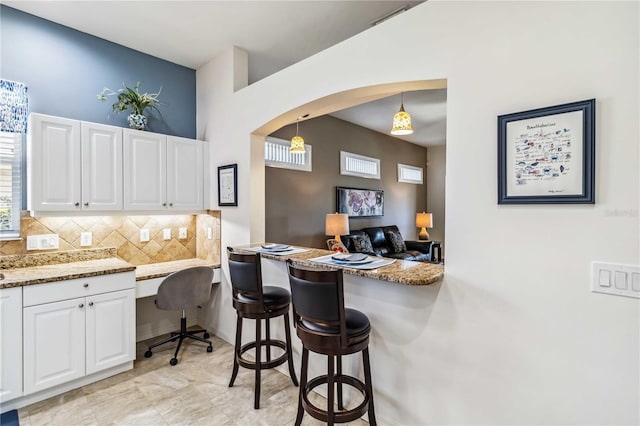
(547, 155)
(357, 202)
(228, 185)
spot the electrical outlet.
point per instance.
(144, 235)
(182, 232)
(85, 239)
(166, 233)
(43, 242)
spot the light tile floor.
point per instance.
(194, 392)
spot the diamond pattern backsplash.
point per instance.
(123, 233)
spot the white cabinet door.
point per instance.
(184, 174)
(101, 167)
(55, 176)
(144, 170)
(111, 320)
(54, 344)
(10, 343)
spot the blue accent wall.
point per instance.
(65, 69)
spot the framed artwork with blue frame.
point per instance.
(547, 155)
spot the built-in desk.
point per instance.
(149, 277)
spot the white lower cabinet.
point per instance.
(71, 338)
(10, 344)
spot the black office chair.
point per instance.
(188, 288)
(254, 301)
(326, 327)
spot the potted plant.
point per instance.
(132, 99)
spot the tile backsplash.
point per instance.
(123, 234)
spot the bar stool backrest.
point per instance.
(318, 300)
(246, 275)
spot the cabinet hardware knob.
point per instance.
(170, 204)
(164, 204)
(86, 204)
(90, 303)
(76, 204)
(81, 305)
(86, 285)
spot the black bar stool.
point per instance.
(252, 300)
(326, 327)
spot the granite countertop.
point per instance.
(31, 275)
(400, 272)
(156, 270)
(24, 270)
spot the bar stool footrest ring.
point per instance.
(264, 364)
(343, 416)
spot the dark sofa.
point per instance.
(384, 242)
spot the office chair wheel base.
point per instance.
(173, 361)
(148, 354)
(206, 336)
(209, 349)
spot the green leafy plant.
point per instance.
(132, 99)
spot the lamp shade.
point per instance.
(402, 123)
(297, 145)
(336, 224)
(424, 220)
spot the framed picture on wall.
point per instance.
(360, 202)
(547, 155)
(228, 185)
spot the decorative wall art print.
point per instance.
(360, 202)
(228, 185)
(547, 155)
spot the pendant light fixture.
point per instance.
(402, 120)
(297, 143)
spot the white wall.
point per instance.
(514, 335)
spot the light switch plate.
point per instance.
(209, 233)
(144, 235)
(615, 278)
(182, 232)
(166, 234)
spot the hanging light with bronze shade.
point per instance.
(297, 143)
(402, 120)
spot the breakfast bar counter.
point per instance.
(399, 272)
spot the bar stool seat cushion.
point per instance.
(272, 296)
(357, 323)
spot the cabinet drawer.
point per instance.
(81, 287)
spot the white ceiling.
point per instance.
(276, 34)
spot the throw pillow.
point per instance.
(362, 244)
(395, 241)
(337, 246)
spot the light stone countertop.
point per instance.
(24, 270)
(401, 271)
(19, 277)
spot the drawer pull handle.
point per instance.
(86, 285)
(86, 204)
(164, 204)
(81, 305)
(170, 204)
(76, 204)
(90, 303)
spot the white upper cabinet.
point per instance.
(101, 167)
(80, 167)
(145, 183)
(162, 172)
(55, 172)
(184, 173)
(74, 165)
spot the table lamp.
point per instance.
(424, 220)
(336, 224)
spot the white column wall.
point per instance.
(514, 335)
